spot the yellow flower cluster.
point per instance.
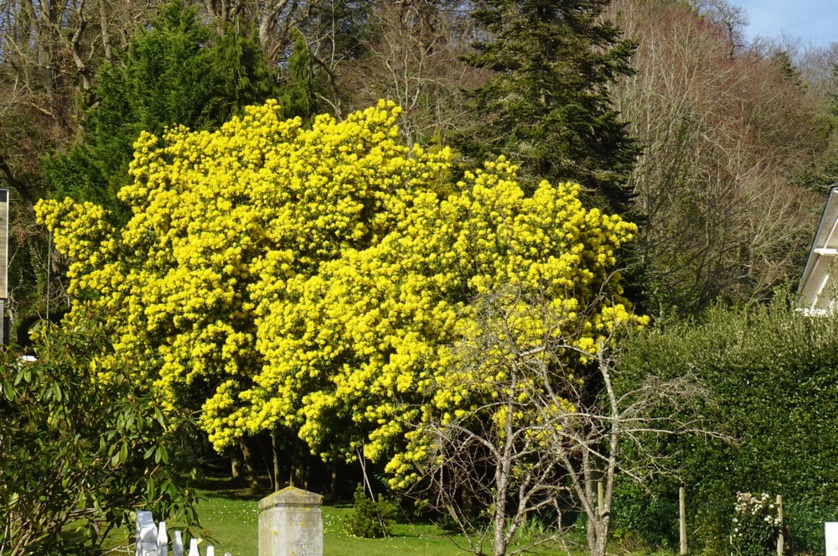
(316, 278)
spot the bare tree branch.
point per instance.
(552, 423)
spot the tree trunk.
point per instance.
(235, 466)
(597, 536)
(499, 518)
(598, 520)
(275, 452)
(299, 467)
(333, 484)
(599, 547)
(249, 467)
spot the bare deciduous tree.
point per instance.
(414, 57)
(723, 138)
(273, 19)
(547, 422)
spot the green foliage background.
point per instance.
(773, 373)
(370, 518)
(77, 455)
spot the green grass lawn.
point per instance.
(229, 521)
(229, 518)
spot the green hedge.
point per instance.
(773, 374)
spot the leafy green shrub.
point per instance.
(771, 372)
(370, 518)
(645, 520)
(803, 523)
(756, 525)
(533, 529)
(78, 453)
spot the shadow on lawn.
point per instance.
(409, 522)
(225, 487)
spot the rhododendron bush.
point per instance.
(316, 279)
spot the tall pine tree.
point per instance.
(547, 106)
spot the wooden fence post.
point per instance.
(146, 537)
(780, 539)
(599, 499)
(682, 518)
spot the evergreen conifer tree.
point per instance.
(547, 105)
(176, 71)
(298, 94)
(241, 73)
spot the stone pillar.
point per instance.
(291, 524)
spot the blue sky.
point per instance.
(813, 21)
